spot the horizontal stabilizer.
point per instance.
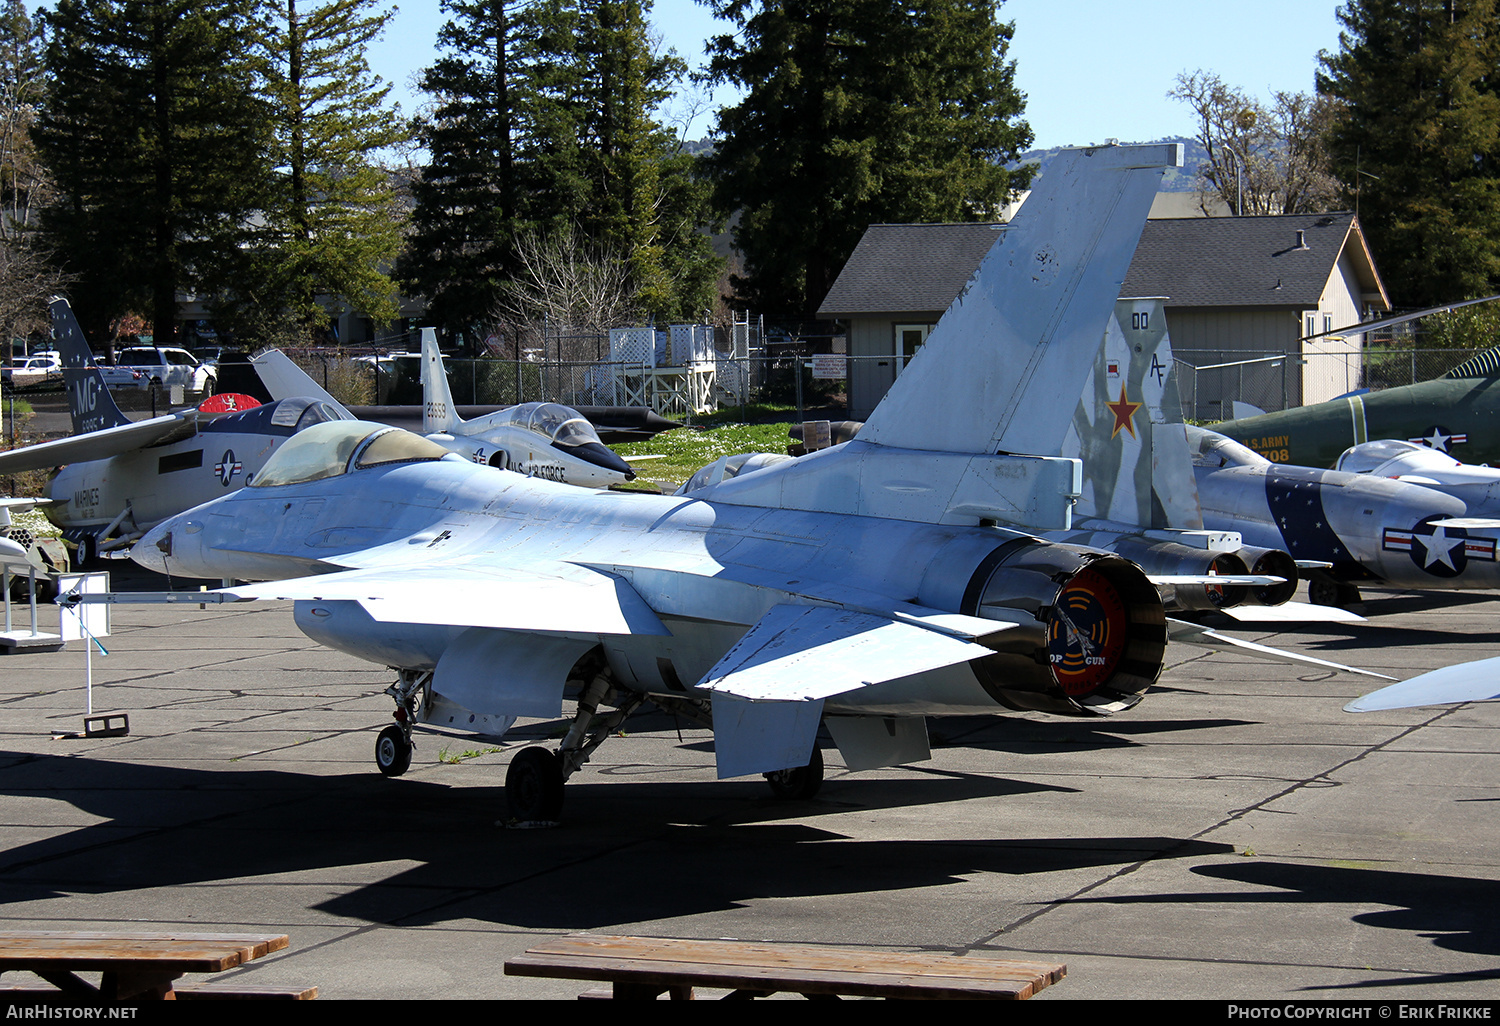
(1292, 612)
(98, 445)
(1193, 634)
(1477, 681)
(557, 598)
(805, 653)
(1470, 523)
(1246, 580)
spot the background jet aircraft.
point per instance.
(1349, 527)
(536, 439)
(865, 587)
(1458, 413)
(117, 477)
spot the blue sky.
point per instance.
(1091, 69)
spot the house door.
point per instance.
(909, 338)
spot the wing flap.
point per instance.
(808, 653)
(554, 597)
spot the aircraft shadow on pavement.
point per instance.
(723, 843)
(1456, 913)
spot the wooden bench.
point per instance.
(646, 967)
(134, 966)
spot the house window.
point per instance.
(909, 338)
(1312, 325)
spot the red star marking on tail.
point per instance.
(1124, 411)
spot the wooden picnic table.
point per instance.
(645, 967)
(135, 966)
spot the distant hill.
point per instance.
(1184, 179)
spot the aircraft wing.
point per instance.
(1477, 681)
(806, 653)
(102, 444)
(559, 598)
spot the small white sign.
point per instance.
(829, 367)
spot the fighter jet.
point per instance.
(1139, 496)
(545, 440)
(1457, 413)
(1348, 528)
(867, 586)
(118, 478)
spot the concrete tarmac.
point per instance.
(1236, 836)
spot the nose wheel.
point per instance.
(393, 751)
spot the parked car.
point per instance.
(33, 370)
(161, 367)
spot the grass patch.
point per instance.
(684, 450)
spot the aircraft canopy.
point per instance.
(338, 447)
(561, 424)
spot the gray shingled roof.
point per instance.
(908, 268)
(1243, 261)
(1196, 261)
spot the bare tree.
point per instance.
(1261, 159)
(567, 282)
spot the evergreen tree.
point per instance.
(857, 112)
(469, 205)
(157, 143)
(643, 201)
(544, 137)
(1417, 139)
(329, 224)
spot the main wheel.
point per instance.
(1324, 591)
(392, 751)
(534, 785)
(86, 554)
(799, 783)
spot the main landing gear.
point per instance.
(394, 746)
(1323, 590)
(534, 781)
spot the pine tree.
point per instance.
(329, 224)
(470, 197)
(157, 143)
(1418, 139)
(857, 112)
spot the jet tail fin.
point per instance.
(1004, 367)
(438, 413)
(89, 401)
(1128, 427)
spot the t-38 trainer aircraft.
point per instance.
(536, 439)
(866, 586)
(119, 477)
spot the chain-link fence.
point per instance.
(1212, 386)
